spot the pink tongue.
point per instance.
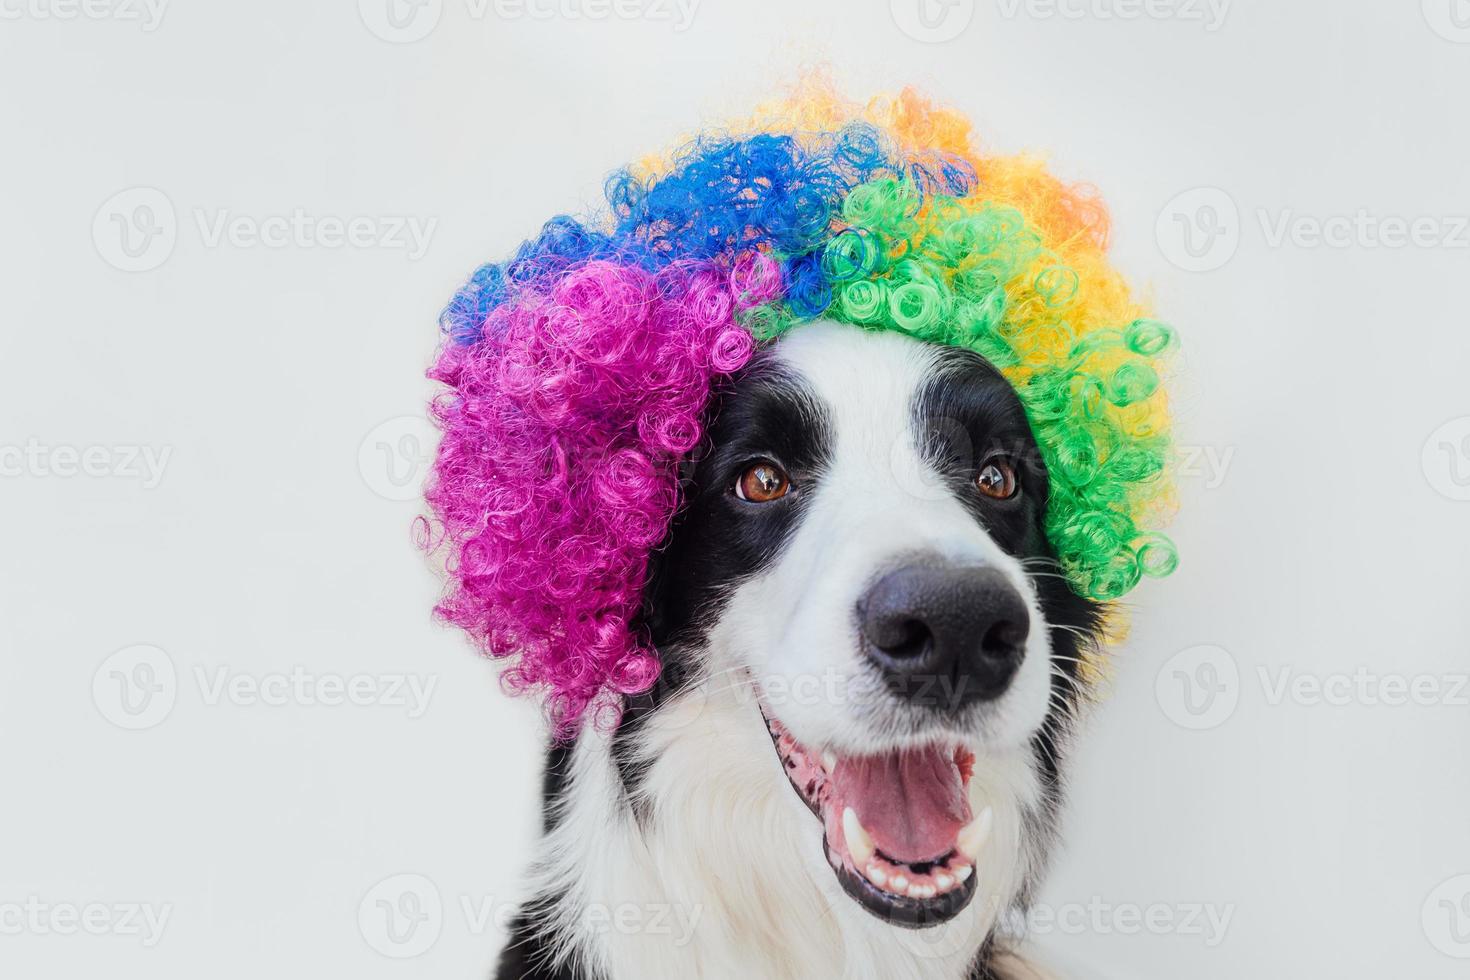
(912, 803)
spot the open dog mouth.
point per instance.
(897, 828)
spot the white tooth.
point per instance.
(898, 883)
(975, 833)
(916, 891)
(877, 875)
(829, 761)
(962, 873)
(945, 882)
(859, 844)
(930, 891)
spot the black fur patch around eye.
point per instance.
(718, 540)
(965, 414)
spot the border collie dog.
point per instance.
(850, 764)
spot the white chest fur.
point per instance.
(723, 874)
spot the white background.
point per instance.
(1323, 524)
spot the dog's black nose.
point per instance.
(945, 637)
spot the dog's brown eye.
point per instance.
(997, 480)
(762, 482)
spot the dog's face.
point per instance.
(862, 545)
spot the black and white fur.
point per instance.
(683, 814)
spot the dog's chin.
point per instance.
(897, 829)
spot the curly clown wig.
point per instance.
(578, 372)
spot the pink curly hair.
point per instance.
(563, 427)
